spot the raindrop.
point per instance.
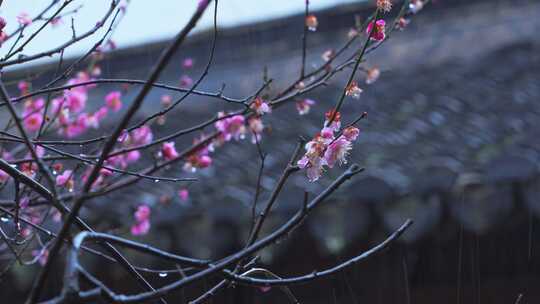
(54, 172)
(156, 181)
(4, 219)
(162, 274)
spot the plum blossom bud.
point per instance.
(187, 63)
(96, 71)
(312, 23)
(353, 90)
(23, 86)
(384, 5)
(169, 151)
(378, 33)
(372, 75)
(113, 100)
(24, 19)
(142, 220)
(56, 21)
(166, 100)
(185, 81)
(142, 213)
(183, 194)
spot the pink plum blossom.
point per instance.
(231, 127)
(351, 133)
(75, 100)
(353, 90)
(379, 30)
(142, 220)
(24, 19)
(256, 127)
(372, 75)
(337, 151)
(169, 151)
(260, 106)
(303, 106)
(142, 135)
(113, 100)
(66, 180)
(33, 122)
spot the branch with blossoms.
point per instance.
(44, 178)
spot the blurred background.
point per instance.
(452, 141)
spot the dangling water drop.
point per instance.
(156, 181)
(163, 274)
(4, 219)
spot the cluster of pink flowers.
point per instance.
(142, 220)
(328, 148)
(138, 137)
(68, 110)
(379, 32)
